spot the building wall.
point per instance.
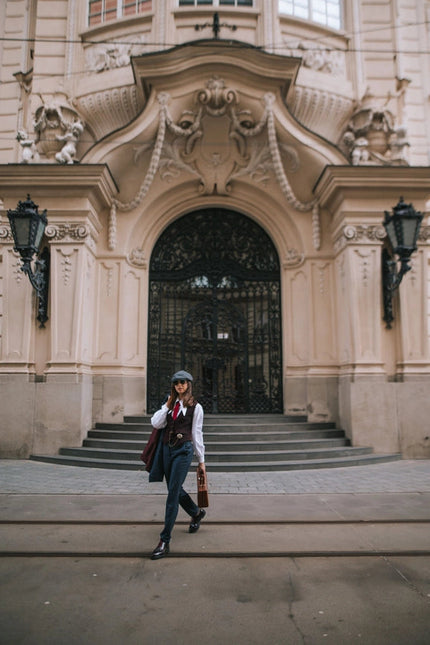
(126, 183)
(382, 49)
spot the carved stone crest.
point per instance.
(211, 142)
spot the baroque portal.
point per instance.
(214, 309)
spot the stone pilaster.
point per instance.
(46, 374)
(18, 301)
(358, 273)
(377, 406)
(310, 384)
(72, 246)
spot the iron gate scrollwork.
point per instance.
(214, 309)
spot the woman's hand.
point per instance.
(201, 469)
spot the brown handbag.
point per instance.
(148, 453)
(202, 489)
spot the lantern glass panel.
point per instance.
(39, 234)
(22, 229)
(409, 231)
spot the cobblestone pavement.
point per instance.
(29, 477)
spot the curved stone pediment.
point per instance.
(107, 103)
(211, 131)
(216, 103)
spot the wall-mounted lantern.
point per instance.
(28, 226)
(402, 227)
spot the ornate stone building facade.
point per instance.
(215, 176)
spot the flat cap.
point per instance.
(182, 375)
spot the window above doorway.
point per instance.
(101, 11)
(323, 12)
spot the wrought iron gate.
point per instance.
(214, 310)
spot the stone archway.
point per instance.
(214, 309)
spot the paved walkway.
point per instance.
(30, 477)
(312, 556)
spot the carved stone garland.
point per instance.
(215, 100)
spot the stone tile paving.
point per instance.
(29, 477)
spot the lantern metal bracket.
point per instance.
(39, 279)
(402, 226)
(391, 279)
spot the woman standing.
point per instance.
(181, 419)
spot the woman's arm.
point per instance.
(197, 434)
(158, 419)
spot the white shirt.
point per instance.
(159, 421)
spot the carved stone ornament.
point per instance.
(320, 110)
(71, 233)
(318, 58)
(111, 55)
(211, 143)
(5, 234)
(67, 232)
(137, 259)
(28, 146)
(70, 139)
(373, 138)
(25, 80)
(58, 128)
(293, 259)
(361, 234)
(424, 234)
(108, 110)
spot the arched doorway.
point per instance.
(214, 310)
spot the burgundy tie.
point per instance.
(176, 410)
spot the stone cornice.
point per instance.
(336, 183)
(90, 181)
(265, 71)
(74, 196)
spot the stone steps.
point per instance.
(233, 444)
(214, 437)
(215, 446)
(254, 466)
(240, 455)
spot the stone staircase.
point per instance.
(233, 443)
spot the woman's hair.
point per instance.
(188, 399)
